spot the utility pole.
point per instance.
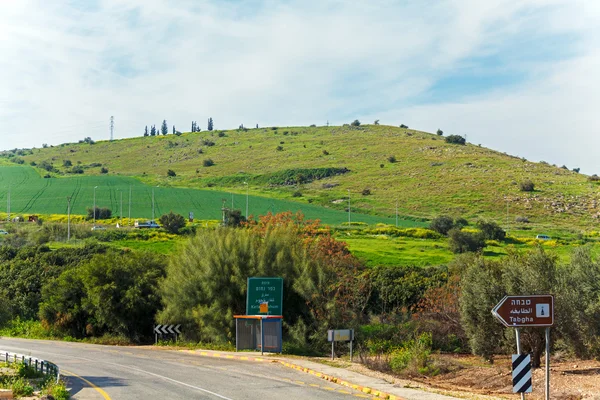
(506, 216)
(246, 183)
(396, 213)
(8, 206)
(112, 127)
(121, 213)
(68, 218)
(153, 203)
(95, 187)
(348, 207)
(129, 204)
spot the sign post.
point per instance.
(528, 311)
(340, 335)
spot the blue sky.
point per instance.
(513, 76)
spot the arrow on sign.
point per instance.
(522, 311)
(167, 329)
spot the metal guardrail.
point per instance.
(43, 366)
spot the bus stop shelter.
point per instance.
(258, 332)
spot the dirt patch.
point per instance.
(569, 380)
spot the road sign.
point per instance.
(523, 311)
(521, 373)
(167, 329)
(340, 335)
(264, 290)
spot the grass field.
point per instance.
(32, 194)
(425, 177)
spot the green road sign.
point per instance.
(264, 290)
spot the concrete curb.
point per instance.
(333, 379)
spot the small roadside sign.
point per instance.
(523, 311)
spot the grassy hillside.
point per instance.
(428, 176)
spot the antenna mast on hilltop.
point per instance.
(112, 127)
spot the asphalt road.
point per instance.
(128, 373)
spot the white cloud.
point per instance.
(65, 70)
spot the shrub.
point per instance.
(101, 213)
(208, 162)
(576, 170)
(403, 126)
(440, 132)
(297, 194)
(325, 152)
(523, 220)
(456, 139)
(78, 169)
(313, 126)
(414, 356)
(355, 123)
(67, 163)
(442, 224)
(490, 230)
(207, 142)
(221, 134)
(279, 148)
(594, 178)
(171, 173)
(463, 242)
(527, 186)
(172, 222)
(366, 192)
(392, 159)
(381, 165)
(104, 170)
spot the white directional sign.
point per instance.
(167, 329)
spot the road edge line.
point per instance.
(99, 390)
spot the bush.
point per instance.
(594, 178)
(67, 163)
(78, 169)
(403, 126)
(523, 220)
(221, 134)
(297, 193)
(366, 192)
(414, 357)
(463, 242)
(456, 139)
(172, 222)
(325, 152)
(101, 213)
(104, 170)
(279, 148)
(355, 123)
(208, 162)
(442, 224)
(392, 159)
(491, 230)
(527, 186)
(440, 132)
(171, 173)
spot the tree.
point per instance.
(112, 293)
(193, 126)
(463, 242)
(210, 124)
(153, 131)
(146, 131)
(442, 224)
(355, 123)
(164, 128)
(172, 222)
(101, 213)
(174, 129)
(456, 139)
(440, 132)
(491, 230)
(376, 122)
(233, 218)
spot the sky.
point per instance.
(521, 77)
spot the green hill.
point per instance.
(379, 167)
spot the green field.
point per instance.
(32, 194)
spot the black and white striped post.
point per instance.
(526, 311)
